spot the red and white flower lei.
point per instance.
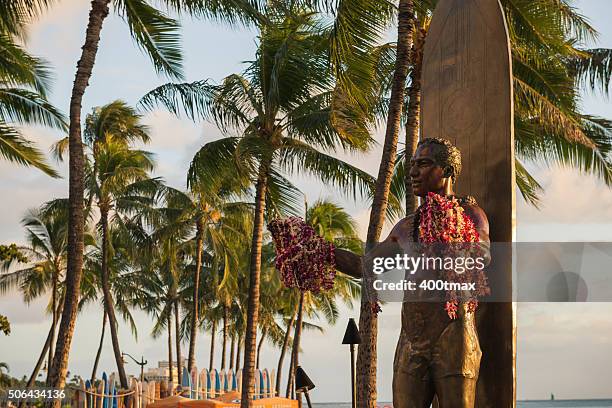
(304, 259)
(443, 220)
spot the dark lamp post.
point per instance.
(303, 384)
(141, 363)
(351, 337)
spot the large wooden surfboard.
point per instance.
(467, 99)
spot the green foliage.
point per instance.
(551, 66)
(24, 81)
(5, 325)
(12, 253)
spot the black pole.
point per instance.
(351, 337)
(308, 400)
(141, 363)
(353, 395)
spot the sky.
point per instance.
(562, 348)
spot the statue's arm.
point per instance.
(481, 223)
(352, 264)
(348, 262)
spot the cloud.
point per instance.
(569, 197)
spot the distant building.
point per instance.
(162, 371)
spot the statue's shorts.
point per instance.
(435, 355)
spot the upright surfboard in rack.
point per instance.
(257, 384)
(105, 399)
(273, 383)
(218, 388)
(111, 391)
(101, 392)
(134, 390)
(82, 395)
(212, 376)
(467, 99)
(222, 381)
(228, 380)
(204, 383)
(151, 390)
(195, 383)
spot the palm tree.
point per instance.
(283, 107)
(24, 82)
(118, 183)
(44, 257)
(368, 324)
(335, 225)
(5, 380)
(157, 35)
(161, 279)
(119, 266)
(216, 220)
(5, 325)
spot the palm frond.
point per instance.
(157, 34)
(15, 148)
(25, 107)
(295, 155)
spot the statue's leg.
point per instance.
(456, 391)
(413, 385)
(410, 391)
(456, 363)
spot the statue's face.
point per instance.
(425, 174)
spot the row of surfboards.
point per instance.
(105, 393)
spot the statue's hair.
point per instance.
(444, 153)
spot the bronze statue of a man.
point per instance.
(435, 356)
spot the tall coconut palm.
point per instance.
(334, 224)
(119, 266)
(368, 324)
(118, 182)
(161, 278)
(283, 107)
(44, 258)
(216, 222)
(157, 34)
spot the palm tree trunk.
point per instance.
(295, 350)
(76, 219)
(41, 358)
(261, 340)
(109, 304)
(170, 362)
(224, 344)
(368, 321)
(232, 353)
(54, 321)
(212, 345)
(279, 368)
(196, 295)
(177, 330)
(97, 360)
(238, 349)
(254, 281)
(290, 377)
(413, 111)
